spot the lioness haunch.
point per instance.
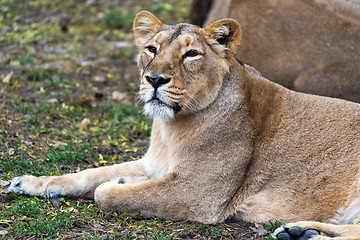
(226, 142)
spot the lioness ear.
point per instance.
(227, 33)
(145, 26)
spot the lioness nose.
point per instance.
(157, 80)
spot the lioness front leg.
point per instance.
(81, 184)
(170, 197)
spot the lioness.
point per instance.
(309, 46)
(225, 141)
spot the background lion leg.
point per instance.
(81, 184)
(338, 232)
(340, 79)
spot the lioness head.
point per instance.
(182, 66)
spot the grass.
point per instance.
(67, 58)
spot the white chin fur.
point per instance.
(158, 110)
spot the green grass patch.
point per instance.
(29, 217)
(18, 166)
(71, 154)
(118, 18)
(38, 75)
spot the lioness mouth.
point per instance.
(176, 108)
(156, 100)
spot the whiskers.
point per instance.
(190, 103)
(182, 98)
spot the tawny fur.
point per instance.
(225, 141)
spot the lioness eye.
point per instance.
(191, 53)
(152, 49)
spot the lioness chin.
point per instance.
(225, 142)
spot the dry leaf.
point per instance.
(4, 183)
(52, 100)
(99, 78)
(57, 144)
(70, 209)
(259, 229)
(83, 123)
(11, 151)
(4, 191)
(116, 95)
(8, 78)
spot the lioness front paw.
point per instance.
(296, 233)
(46, 187)
(27, 184)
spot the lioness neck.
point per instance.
(265, 101)
(245, 96)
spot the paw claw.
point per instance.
(55, 201)
(295, 231)
(284, 236)
(308, 234)
(53, 196)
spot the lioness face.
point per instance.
(182, 66)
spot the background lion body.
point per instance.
(310, 46)
(225, 141)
